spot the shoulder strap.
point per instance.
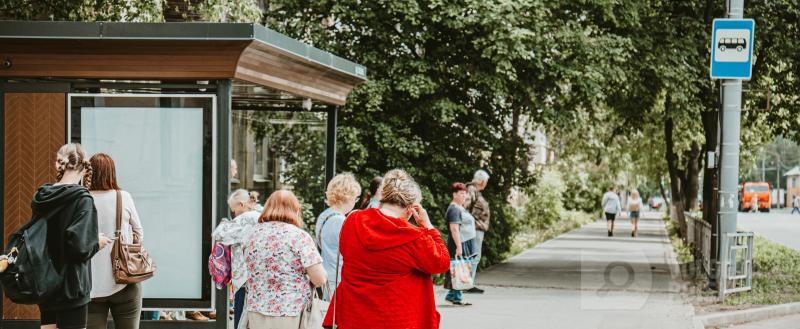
(336, 282)
(321, 227)
(118, 231)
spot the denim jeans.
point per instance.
(454, 295)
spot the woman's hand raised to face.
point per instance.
(421, 216)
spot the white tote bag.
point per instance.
(461, 274)
(314, 311)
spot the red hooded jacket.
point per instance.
(386, 274)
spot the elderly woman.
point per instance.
(388, 263)
(235, 233)
(462, 240)
(282, 263)
(341, 197)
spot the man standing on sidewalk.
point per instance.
(479, 208)
(611, 207)
(795, 204)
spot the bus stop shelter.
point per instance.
(189, 111)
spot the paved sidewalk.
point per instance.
(581, 279)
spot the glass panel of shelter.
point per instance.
(277, 144)
(280, 149)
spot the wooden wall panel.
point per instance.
(34, 129)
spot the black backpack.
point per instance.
(31, 276)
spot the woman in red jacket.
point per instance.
(388, 262)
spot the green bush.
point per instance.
(546, 201)
(584, 189)
(683, 250)
(498, 240)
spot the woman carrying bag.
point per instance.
(461, 244)
(283, 265)
(124, 301)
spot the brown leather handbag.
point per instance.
(130, 261)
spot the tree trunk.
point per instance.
(676, 181)
(667, 203)
(692, 179)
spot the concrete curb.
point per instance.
(750, 315)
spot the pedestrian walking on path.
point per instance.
(611, 207)
(124, 301)
(388, 262)
(795, 204)
(341, 197)
(479, 208)
(634, 208)
(461, 241)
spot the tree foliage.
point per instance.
(622, 88)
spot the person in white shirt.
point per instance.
(123, 300)
(795, 204)
(611, 207)
(236, 233)
(634, 207)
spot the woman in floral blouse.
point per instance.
(281, 259)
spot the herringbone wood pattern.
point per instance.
(34, 130)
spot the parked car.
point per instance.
(655, 202)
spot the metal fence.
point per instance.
(736, 263)
(698, 235)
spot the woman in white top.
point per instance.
(123, 300)
(634, 207)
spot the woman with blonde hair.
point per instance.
(635, 207)
(282, 263)
(73, 238)
(341, 197)
(387, 261)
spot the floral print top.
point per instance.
(277, 255)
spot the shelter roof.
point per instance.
(175, 51)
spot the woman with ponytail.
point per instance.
(72, 234)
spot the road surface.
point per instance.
(778, 225)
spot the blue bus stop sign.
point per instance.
(732, 49)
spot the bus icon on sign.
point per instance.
(739, 44)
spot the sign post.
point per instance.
(731, 59)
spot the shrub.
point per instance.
(546, 204)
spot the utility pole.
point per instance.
(729, 159)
